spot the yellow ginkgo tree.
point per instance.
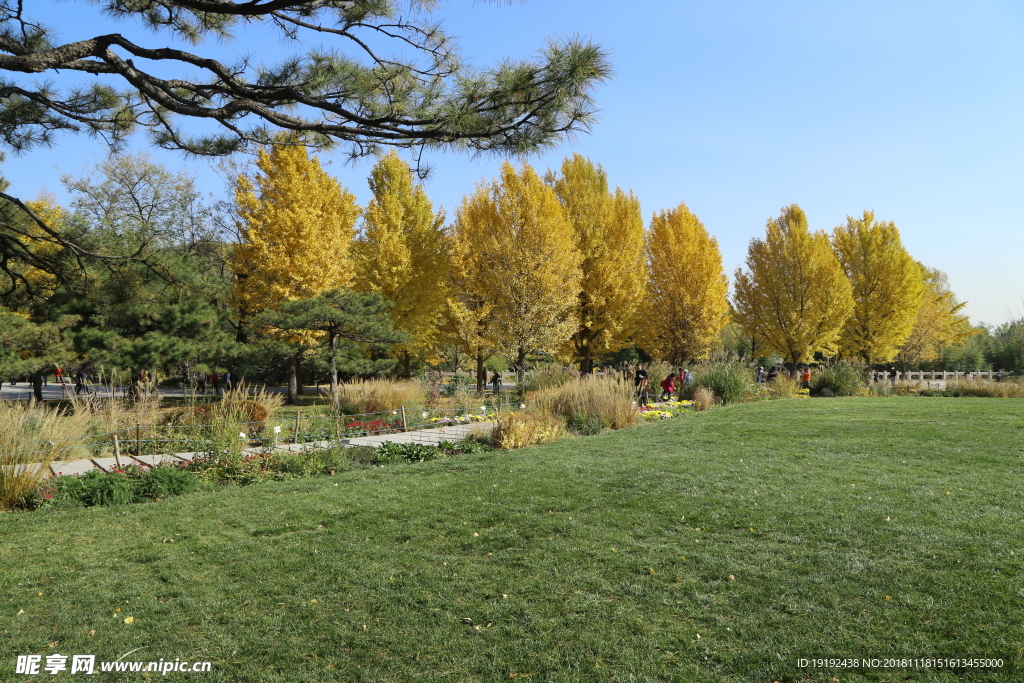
(400, 253)
(887, 288)
(794, 294)
(296, 224)
(516, 262)
(687, 304)
(608, 230)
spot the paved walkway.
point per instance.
(423, 436)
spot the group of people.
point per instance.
(772, 375)
(641, 382)
(219, 383)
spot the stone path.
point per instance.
(424, 436)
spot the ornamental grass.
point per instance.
(522, 429)
(584, 400)
(31, 435)
(377, 395)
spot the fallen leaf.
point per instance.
(129, 620)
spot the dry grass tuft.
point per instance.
(378, 395)
(30, 434)
(522, 429)
(986, 389)
(703, 398)
(609, 399)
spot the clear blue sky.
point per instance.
(912, 109)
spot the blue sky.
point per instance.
(912, 109)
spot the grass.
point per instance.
(774, 531)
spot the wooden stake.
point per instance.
(298, 413)
(405, 428)
(138, 441)
(117, 452)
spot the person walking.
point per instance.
(805, 378)
(496, 382)
(214, 382)
(759, 378)
(773, 374)
(200, 382)
(640, 382)
(668, 387)
(227, 380)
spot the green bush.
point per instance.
(101, 488)
(391, 452)
(728, 381)
(841, 379)
(584, 424)
(161, 482)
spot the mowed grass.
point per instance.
(721, 546)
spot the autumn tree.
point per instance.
(938, 322)
(517, 263)
(400, 253)
(608, 230)
(296, 225)
(687, 303)
(794, 293)
(887, 288)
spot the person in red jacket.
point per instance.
(805, 377)
(668, 387)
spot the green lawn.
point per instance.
(722, 546)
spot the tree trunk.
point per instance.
(521, 370)
(407, 364)
(481, 374)
(37, 386)
(293, 381)
(334, 371)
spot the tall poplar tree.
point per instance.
(400, 253)
(794, 294)
(609, 233)
(517, 263)
(296, 225)
(687, 304)
(887, 288)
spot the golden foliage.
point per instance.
(687, 304)
(296, 226)
(609, 232)
(939, 322)
(515, 263)
(887, 288)
(794, 294)
(401, 252)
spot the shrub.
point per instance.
(160, 482)
(391, 452)
(102, 488)
(729, 380)
(985, 389)
(522, 429)
(841, 379)
(590, 404)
